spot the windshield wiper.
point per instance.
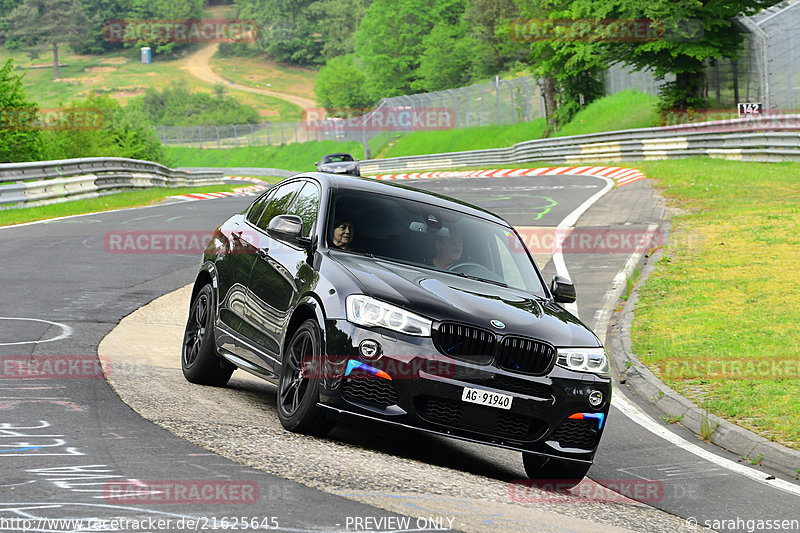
(477, 278)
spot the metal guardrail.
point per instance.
(46, 182)
(769, 138)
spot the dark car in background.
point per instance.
(339, 164)
(367, 299)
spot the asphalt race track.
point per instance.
(64, 442)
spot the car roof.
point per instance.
(338, 153)
(360, 184)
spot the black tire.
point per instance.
(297, 394)
(548, 471)
(200, 361)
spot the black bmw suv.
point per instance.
(361, 298)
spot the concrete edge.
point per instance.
(630, 371)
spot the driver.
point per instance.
(343, 233)
(448, 249)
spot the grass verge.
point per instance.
(717, 319)
(108, 202)
(475, 138)
(297, 156)
(621, 111)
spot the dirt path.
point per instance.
(198, 66)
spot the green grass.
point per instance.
(727, 291)
(297, 156)
(475, 138)
(624, 110)
(108, 202)
(262, 73)
(621, 111)
(122, 76)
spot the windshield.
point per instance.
(431, 237)
(337, 158)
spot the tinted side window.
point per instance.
(306, 206)
(280, 202)
(258, 206)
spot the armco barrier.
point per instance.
(769, 138)
(46, 182)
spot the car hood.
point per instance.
(442, 296)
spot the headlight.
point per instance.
(592, 360)
(366, 311)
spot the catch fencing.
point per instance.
(494, 103)
(765, 71)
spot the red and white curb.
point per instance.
(622, 176)
(252, 190)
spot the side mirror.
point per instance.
(563, 290)
(286, 228)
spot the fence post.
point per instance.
(283, 139)
(269, 142)
(219, 143)
(467, 106)
(236, 136)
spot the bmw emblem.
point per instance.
(498, 324)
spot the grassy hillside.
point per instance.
(622, 111)
(122, 76)
(476, 138)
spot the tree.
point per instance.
(340, 87)
(287, 29)
(123, 133)
(448, 58)
(17, 143)
(488, 21)
(569, 63)
(337, 22)
(693, 31)
(391, 40)
(47, 23)
(162, 10)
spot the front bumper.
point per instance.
(425, 393)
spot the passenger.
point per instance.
(343, 234)
(448, 249)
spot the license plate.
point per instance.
(482, 397)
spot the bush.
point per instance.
(16, 144)
(122, 133)
(176, 106)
